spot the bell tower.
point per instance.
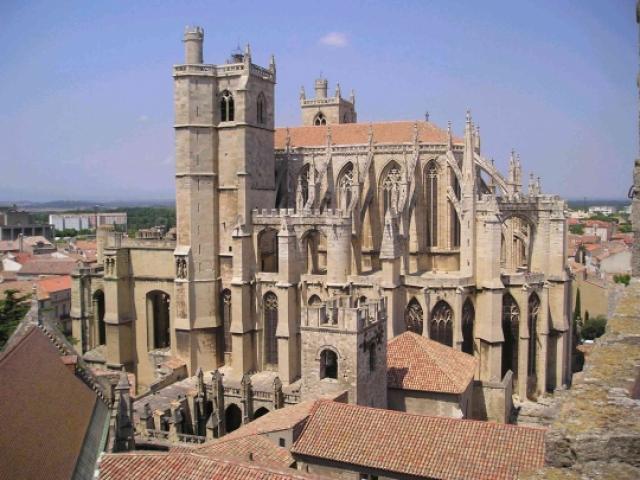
(324, 110)
(225, 167)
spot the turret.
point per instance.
(193, 39)
(322, 85)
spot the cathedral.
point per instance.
(299, 252)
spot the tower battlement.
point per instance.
(344, 314)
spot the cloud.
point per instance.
(334, 39)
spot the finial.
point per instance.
(426, 116)
(303, 95)
(415, 132)
(370, 139)
(352, 97)
(468, 117)
(272, 63)
(247, 50)
(288, 138)
(338, 90)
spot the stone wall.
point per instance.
(596, 429)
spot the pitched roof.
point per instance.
(47, 267)
(276, 420)
(45, 410)
(358, 133)
(407, 444)
(186, 466)
(55, 284)
(254, 448)
(416, 363)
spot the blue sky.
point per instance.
(86, 90)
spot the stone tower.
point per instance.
(324, 110)
(344, 347)
(224, 124)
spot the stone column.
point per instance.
(288, 311)
(543, 342)
(523, 343)
(338, 253)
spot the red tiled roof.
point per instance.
(252, 448)
(186, 466)
(281, 419)
(47, 267)
(55, 284)
(416, 363)
(358, 133)
(407, 444)
(45, 410)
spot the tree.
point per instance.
(593, 327)
(577, 316)
(623, 278)
(577, 229)
(13, 308)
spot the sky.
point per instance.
(86, 101)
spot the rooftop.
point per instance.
(407, 444)
(358, 133)
(417, 363)
(253, 448)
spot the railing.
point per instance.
(262, 395)
(232, 391)
(158, 434)
(186, 438)
(291, 398)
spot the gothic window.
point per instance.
(314, 249)
(362, 301)
(441, 325)
(260, 109)
(413, 317)
(431, 192)
(226, 107)
(468, 316)
(510, 331)
(268, 250)
(226, 318)
(390, 189)
(98, 306)
(320, 119)
(270, 328)
(158, 320)
(345, 181)
(328, 364)
(534, 310)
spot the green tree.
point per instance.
(625, 228)
(13, 308)
(577, 316)
(623, 278)
(593, 328)
(577, 229)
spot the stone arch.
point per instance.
(158, 319)
(99, 310)
(232, 418)
(314, 301)
(344, 187)
(260, 412)
(314, 252)
(268, 250)
(414, 317)
(328, 364)
(302, 186)
(270, 308)
(225, 308)
(441, 323)
(511, 333)
(227, 106)
(518, 235)
(389, 188)
(468, 320)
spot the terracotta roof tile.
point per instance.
(358, 133)
(406, 444)
(55, 283)
(262, 451)
(186, 466)
(416, 363)
(47, 267)
(45, 410)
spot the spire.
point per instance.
(338, 93)
(352, 97)
(272, 63)
(303, 95)
(449, 137)
(468, 163)
(477, 139)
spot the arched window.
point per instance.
(431, 198)
(314, 301)
(413, 317)
(226, 318)
(510, 331)
(320, 119)
(345, 182)
(158, 323)
(260, 109)
(390, 189)
(260, 412)
(362, 301)
(268, 250)
(232, 418)
(271, 328)
(98, 312)
(314, 249)
(328, 364)
(226, 106)
(441, 325)
(468, 316)
(534, 310)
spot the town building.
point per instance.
(14, 222)
(87, 221)
(301, 251)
